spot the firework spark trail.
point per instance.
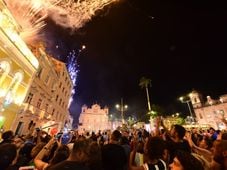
(31, 14)
(73, 70)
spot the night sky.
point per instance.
(179, 45)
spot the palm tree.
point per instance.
(145, 83)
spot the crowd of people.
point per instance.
(121, 149)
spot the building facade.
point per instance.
(18, 66)
(47, 103)
(94, 118)
(210, 112)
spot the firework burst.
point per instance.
(74, 14)
(31, 14)
(30, 17)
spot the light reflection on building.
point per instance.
(18, 66)
(46, 105)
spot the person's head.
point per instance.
(194, 130)
(205, 143)
(8, 153)
(154, 148)
(185, 161)
(26, 150)
(95, 156)
(80, 151)
(124, 140)
(115, 136)
(220, 151)
(8, 135)
(212, 130)
(61, 154)
(178, 131)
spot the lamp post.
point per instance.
(182, 99)
(121, 107)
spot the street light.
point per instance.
(121, 107)
(183, 100)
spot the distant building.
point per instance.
(94, 118)
(210, 112)
(47, 103)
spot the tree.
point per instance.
(145, 83)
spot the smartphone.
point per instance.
(140, 137)
(27, 168)
(66, 138)
(58, 136)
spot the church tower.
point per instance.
(196, 99)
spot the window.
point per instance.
(63, 89)
(39, 103)
(47, 105)
(200, 116)
(53, 111)
(60, 84)
(47, 79)
(29, 98)
(56, 98)
(195, 100)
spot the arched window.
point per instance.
(195, 100)
(11, 91)
(4, 66)
(4, 70)
(17, 79)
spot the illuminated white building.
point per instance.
(210, 112)
(46, 105)
(18, 66)
(94, 118)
